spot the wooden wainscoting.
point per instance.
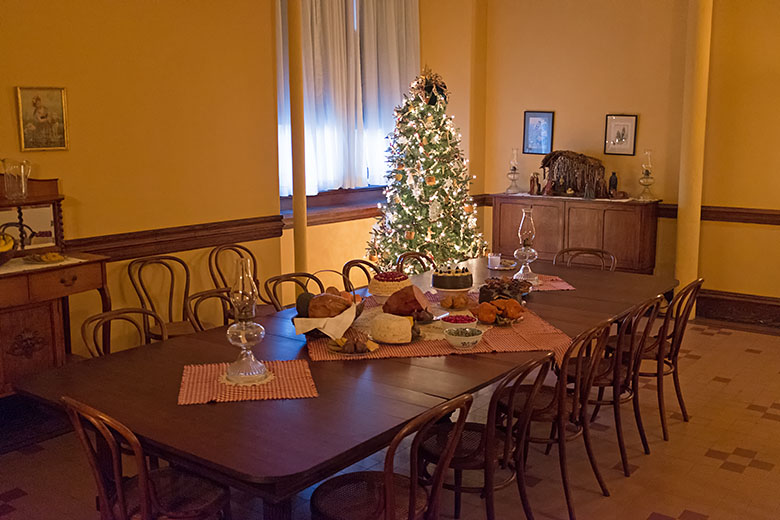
(123, 246)
(742, 308)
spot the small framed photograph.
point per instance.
(538, 132)
(43, 118)
(620, 134)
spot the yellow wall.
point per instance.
(172, 115)
(742, 128)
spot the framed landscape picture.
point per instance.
(620, 134)
(43, 118)
(538, 132)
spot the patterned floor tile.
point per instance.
(12, 494)
(753, 351)
(6, 509)
(691, 515)
(733, 466)
(719, 379)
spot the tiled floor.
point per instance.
(723, 464)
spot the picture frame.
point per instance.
(43, 118)
(538, 132)
(620, 134)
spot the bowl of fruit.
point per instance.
(459, 321)
(8, 245)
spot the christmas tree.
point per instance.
(428, 206)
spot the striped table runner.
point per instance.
(292, 380)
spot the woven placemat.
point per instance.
(200, 383)
(530, 334)
(549, 282)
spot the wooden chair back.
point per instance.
(606, 259)
(273, 286)
(586, 351)
(139, 271)
(633, 332)
(423, 260)
(512, 428)
(93, 328)
(420, 426)
(108, 473)
(220, 255)
(194, 301)
(363, 265)
(676, 319)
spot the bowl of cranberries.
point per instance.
(459, 321)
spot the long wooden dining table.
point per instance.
(276, 448)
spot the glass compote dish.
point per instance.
(526, 253)
(245, 333)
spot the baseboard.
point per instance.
(740, 308)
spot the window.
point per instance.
(359, 57)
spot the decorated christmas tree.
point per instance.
(428, 206)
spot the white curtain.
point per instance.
(359, 57)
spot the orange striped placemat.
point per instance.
(549, 282)
(532, 333)
(292, 380)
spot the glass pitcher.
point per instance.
(16, 175)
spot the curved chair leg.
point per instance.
(592, 459)
(661, 402)
(529, 515)
(553, 429)
(597, 407)
(638, 416)
(678, 389)
(489, 491)
(564, 468)
(458, 484)
(619, 430)
(227, 513)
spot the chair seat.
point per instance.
(604, 375)
(178, 495)
(175, 328)
(544, 411)
(468, 454)
(360, 496)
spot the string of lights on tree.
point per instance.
(428, 207)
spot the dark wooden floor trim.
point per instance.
(770, 217)
(124, 246)
(738, 307)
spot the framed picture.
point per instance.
(43, 118)
(538, 132)
(620, 134)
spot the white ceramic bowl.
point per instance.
(462, 342)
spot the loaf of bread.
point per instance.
(406, 302)
(327, 306)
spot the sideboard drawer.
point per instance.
(13, 291)
(62, 282)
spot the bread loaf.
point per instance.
(406, 302)
(327, 306)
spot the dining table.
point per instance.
(274, 449)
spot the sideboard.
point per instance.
(627, 229)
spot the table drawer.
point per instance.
(62, 282)
(13, 291)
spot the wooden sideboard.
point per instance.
(625, 229)
(33, 312)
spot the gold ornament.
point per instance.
(409, 235)
(397, 199)
(398, 176)
(373, 258)
(424, 140)
(429, 119)
(468, 208)
(430, 180)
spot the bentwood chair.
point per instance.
(619, 371)
(153, 494)
(172, 275)
(227, 254)
(486, 447)
(363, 265)
(274, 284)
(192, 306)
(563, 405)
(423, 260)
(664, 349)
(374, 495)
(93, 328)
(606, 259)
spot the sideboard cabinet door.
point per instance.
(548, 220)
